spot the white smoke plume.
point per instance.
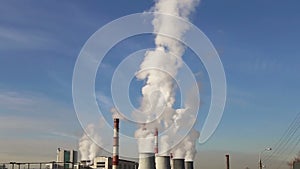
(116, 113)
(159, 90)
(84, 146)
(190, 145)
(94, 141)
(146, 140)
(88, 143)
(186, 149)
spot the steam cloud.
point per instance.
(88, 143)
(158, 69)
(93, 141)
(187, 148)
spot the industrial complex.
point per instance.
(68, 159)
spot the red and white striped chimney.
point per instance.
(115, 161)
(156, 141)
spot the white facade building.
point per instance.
(106, 163)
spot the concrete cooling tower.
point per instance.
(163, 162)
(146, 161)
(178, 163)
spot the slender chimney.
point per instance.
(227, 161)
(156, 141)
(163, 162)
(178, 163)
(171, 160)
(189, 164)
(146, 161)
(115, 161)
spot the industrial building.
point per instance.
(65, 159)
(147, 160)
(106, 163)
(66, 156)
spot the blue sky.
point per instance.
(258, 43)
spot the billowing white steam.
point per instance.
(88, 143)
(116, 114)
(187, 148)
(93, 141)
(190, 145)
(158, 68)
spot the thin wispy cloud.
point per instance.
(21, 101)
(12, 38)
(29, 112)
(67, 135)
(28, 116)
(13, 99)
(31, 103)
(19, 123)
(104, 100)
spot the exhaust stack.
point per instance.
(227, 161)
(178, 163)
(115, 160)
(163, 162)
(189, 164)
(146, 161)
(156, 141)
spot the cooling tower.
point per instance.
(115, 161)
(146, 161)
(178, 163)
(189, 164)
(162, 162)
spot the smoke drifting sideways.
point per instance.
(94, 140)
(88, 143)
(159, 68)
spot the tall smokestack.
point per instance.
(163, 162)
(156, 141)
(189, 164)
(115, 161)
(171, 160)
(146, 161)
(227, 161)
(178, 163)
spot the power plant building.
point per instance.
(106, 163)
(147, 160)
(66, 158)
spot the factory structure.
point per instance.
(65, 159)
(151, 160)
(107, 163)
(68, 159)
